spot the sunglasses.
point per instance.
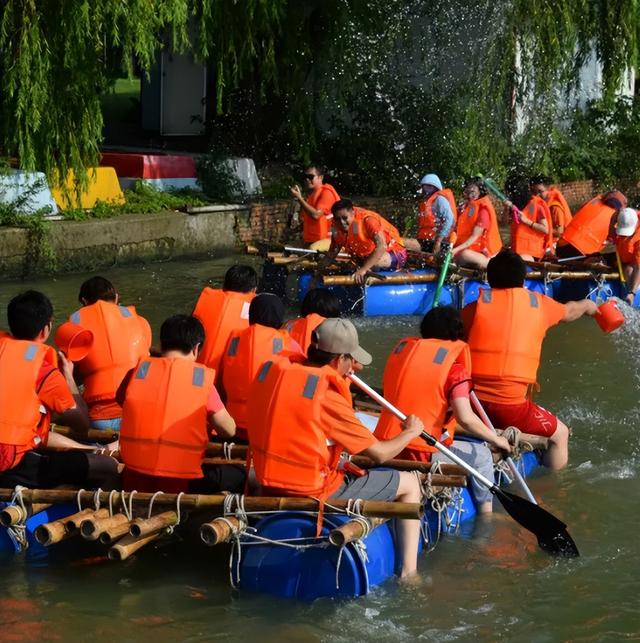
(309, 177)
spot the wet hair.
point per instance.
(28, 313)
(96, 289)
(442, 322)
(266, 309)
(478, 182)
(506, 270)
(615, 199)
(343, 204)
(322, 302)
(540, 179)
(321, 170)
(181, 333)
(240, 278)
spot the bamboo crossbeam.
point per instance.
(145, 526)
(538, 442)
(220, 530)
(351, 531)
(573, 275)
(438, 480)
(14, 514)
(371, 508)
(129, 545)
(402, 278)
(92, 435)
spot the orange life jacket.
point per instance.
(490, 240)
(20, 410)
(246, 351)
(527, 241)
(221, 312)
(414, 379)
(589, 227)
(356, 241)
(555, 198)
(164, 418)
(286, 437)
(120, 339)
(318, 229)
(426, 217)
(300, 329)
(506, 335)
(626, 247)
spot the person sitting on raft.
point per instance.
(368, 237)
(436, 218)
(627, 238)
(316, 208)
(478, 236)
(441, 363)
(558, 207)
(318, 304)
(248, 349)
(121, 337)
(36, 384)
(170, 407)
(505, 329)
(532, 229)
(590, 227)
(301, 418)
(223, 311)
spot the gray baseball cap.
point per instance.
(339, 336)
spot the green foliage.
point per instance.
(218, 179)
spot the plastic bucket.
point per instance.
(74, 341)
(609, 316)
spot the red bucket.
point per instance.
(74, 341)
(609, 316)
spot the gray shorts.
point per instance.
(376, 484)
(478, 455)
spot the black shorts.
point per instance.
(53, 468)
(427, 246)
(222, 477)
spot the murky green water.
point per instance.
(497, 585)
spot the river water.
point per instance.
(495, 585)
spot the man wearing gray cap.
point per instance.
(301, 419)
(628, 248)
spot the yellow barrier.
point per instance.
(103, 186)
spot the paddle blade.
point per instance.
(551, 532)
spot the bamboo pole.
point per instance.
(110, 535)
(220, 530)
(145, 526)
(73, 522)
(373, 508)
(406, 278)
(129, 545)
(92, 527)
(438, 480)
(536, 441)
(14, 514)
(573, 275)
(352, 530)
(92, 435)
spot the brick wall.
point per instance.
(269, 221)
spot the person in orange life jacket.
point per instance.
(591, 225)
(478, 236)
(316, 208)
(367, 236)
(222, 312)
(627, 239)
(121, 338)
(36, 386)
(505, 329)
(436, 217)
(318, 304)
(325, 425)
(247, 350)
(560, 212)
(531, 233)
(170, 407)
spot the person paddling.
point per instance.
(120, 338)
(170, 407)
(431, 377)
(505, 330)
(300, 420)
(315, 209)
(368, 237)
(627, 239)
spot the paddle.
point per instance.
(550, 531)
(509, 460)
(443, 271)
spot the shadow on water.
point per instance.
(496, 584)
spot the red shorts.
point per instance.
(526, 416)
